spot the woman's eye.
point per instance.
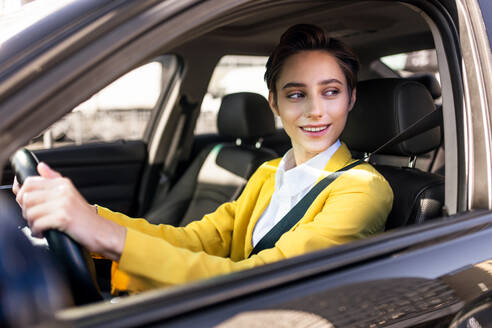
(331, 92)
(295, 95)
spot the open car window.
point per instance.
(232, 74)
(120, 111)
(406, 64)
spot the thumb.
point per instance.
(46, 172)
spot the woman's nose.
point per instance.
(314, 108)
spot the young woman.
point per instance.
(312, 83)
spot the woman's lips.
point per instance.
(315, 130)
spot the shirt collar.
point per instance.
(304, 175)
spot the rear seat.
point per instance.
(220, 171)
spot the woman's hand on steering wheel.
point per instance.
(50, 201)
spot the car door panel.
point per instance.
(105, 173)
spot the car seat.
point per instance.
(436, 160)
(385, 108)
(220, 171)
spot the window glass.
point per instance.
(232, 74)
(119, 111)
(407, 64)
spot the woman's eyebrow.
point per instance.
(293, 85)
(330, 81)
(301, 85)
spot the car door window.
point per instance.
(120, 111)
(232, 74)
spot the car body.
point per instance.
(62, 60)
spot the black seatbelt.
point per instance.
(429, 121)
(298, 211)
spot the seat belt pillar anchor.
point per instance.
(412, 162)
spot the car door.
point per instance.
(437, 251)
(131, 166)
(102, 144)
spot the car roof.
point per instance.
(371, 28)
(384, 27)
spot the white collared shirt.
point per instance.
(291, 184)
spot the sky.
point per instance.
(15, 17)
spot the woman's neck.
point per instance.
(301, 156)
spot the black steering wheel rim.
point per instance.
(76, 262)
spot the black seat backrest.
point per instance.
(220, 171)
(429, 81)
(384, 108)
(419, 196)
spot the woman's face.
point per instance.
(312, 102)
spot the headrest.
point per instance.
(429, 81)
(384, 108)
(245, 115)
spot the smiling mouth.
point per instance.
(315, 129)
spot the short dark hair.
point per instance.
(307, 37)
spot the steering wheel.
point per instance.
(75, 260)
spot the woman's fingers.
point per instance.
(47, 172)
(46, 197)
(49, 221)
(55, 187)
(46, 222)
(34, 197)
(15, 186)
(32, 213)
(49, 195)
(44, 171)
(42, 183)
(50, 201)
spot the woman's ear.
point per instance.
(353, 98)
(273, 103)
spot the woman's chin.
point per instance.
(310, 151)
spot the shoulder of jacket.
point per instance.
(365, 174)
(274, 162)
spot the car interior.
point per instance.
(422, 190)
(172, 175)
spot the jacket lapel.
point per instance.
(340, 158)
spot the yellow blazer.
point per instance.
(354, 206)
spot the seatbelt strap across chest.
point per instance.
(298, 211)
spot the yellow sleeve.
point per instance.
(211, 235)
(352, 210)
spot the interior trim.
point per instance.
(477, 98)
(452, 193)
